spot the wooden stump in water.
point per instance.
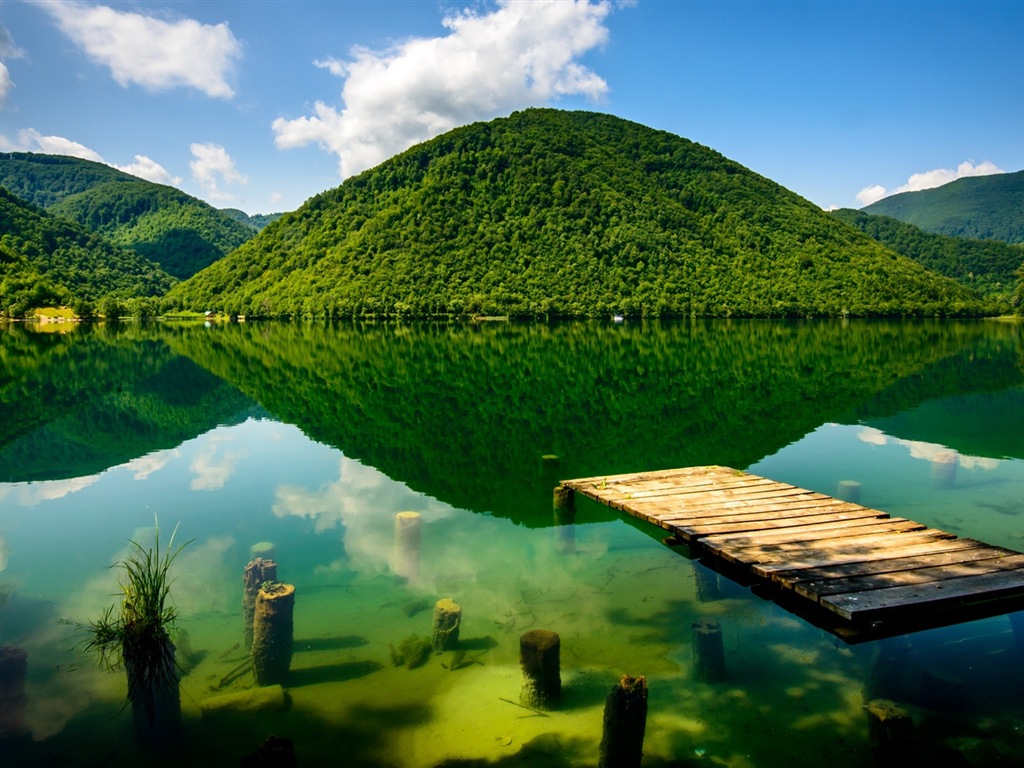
(625, 720)
(708, 652)
(944, 470)
(539, 651)
(13, 668)
(565, 520)
(447, 617)
(848, 490)
(262, 549)
(407, 545)
(273, 626)
(708, 588)
(890, 733)
(255, 574)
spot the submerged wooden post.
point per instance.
(447, 618)
(944, 470)
(625, 720)
(708, 588)
(890, 733)
(708, 652)
(539, 651)
(273, 627)
(262, 549)
(565, 519)
(407, 545)
(13, 668)
(848, 490)
(255, 573)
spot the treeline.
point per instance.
(46, 260)
(550, 213)
(989, 266)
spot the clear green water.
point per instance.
(314, 438)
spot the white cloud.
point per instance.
(213, 166)
(929, 180)
(151, 52)
(147, 168)
(522, 54)
(213, 469)
(31, 140)
(8, 50)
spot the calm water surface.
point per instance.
(314, 438)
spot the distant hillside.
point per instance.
(45, 259)
(553, 213)
(181, 233)
(979, 208)
(256, 220)
(988, 266)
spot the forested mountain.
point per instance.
(179, 232)
(978, 207)
(45, 259)
(256, 220)
(553, 213)
(988, 266)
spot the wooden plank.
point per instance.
(584, 484)
(995, 563)
(954, 551)
(866, 547)
(810, 533)
(949, 593)
(750, 526)
(766, 569)
(766, 508)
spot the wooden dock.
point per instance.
(855, 571)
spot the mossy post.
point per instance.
(264, 550)
(255, 573)
(407, 545)
(848, 490)
(944, 470)
(625, 720)
(708, 652)
(13, 668)
(447, 618)
(539, 651)
(564, 504)
(890, 733)
(273, 627)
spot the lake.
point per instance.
(313, 438)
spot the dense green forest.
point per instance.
(978, 207)
(47, 260)
(256, 220)
(988, 266)
(553, 213)
(167, 226)
(177, 231)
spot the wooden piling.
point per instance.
(848, 490)
(539, 651)
(264, 550)
(565, 520)
(944, 470)
(273, 627)
(708, 652)
(625, 720)
(407, 545)
(890, 733)
(447, 618)
(708, 588)
(255, 574)
(13, 669)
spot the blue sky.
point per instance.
(260, 105)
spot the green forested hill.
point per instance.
(179, 232)
(255, 220)
(565, 213)
(988, 266)
(45, 259)
(978, 207)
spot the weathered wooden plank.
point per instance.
(864, 606)
(867, 547)
(815, 560)
(995, 563)
(585, 483)
(955, 551)
(652, 492)
(792, 534)
(766, 508)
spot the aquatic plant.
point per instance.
(137, 636)
(411, 653)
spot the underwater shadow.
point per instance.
(332, 673)
(330, 643)
(544, 751)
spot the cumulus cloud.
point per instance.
(929, 180)
(212, 167)
(8, 50)
(521, 54)
(148, 51)
(31, 140)
(150, 170)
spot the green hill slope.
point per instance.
(45, 259)
(988, 266)
(179, 232)
(552, 213)
(980, 208)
